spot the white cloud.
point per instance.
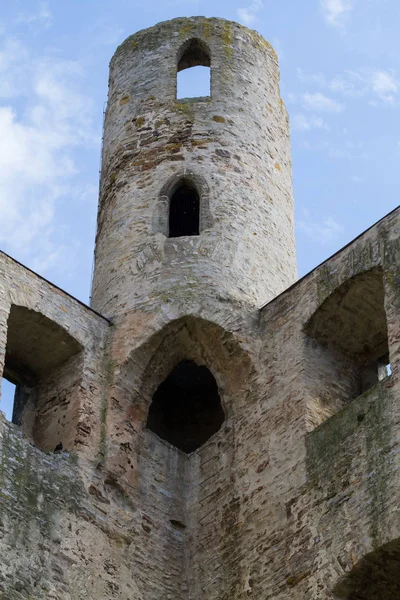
(42, 18)
(336, 12)
(303, 122)
(379, 84)
(347, 149)
(105, 34)
(14, 70)
(324, 232)
(321, 103)
(384, 85)
(36, 165)
(315, 78)
(248, 15)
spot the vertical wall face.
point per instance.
(233, 147)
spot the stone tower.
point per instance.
(230, 149)
(182, 294)
(176, 441)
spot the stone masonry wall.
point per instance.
(248, 513)
(295, 496)
(269, 507)
(22, 288)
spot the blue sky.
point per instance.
(340, 80)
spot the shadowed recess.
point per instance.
(376, 577)
(347, 345)
(35, 344)
(43, 361)
(194, 53)
(184, 211)
(186, 409)
(352, 319)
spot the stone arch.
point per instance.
(347, 344)
(45, 363)
(161, 217)
(376, 576)
(188, 338)
(193, 53)
(137, 379)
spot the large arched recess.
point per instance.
(181, 491)
(346, 345)
(185, 339)
(375, 577)
(45, 363)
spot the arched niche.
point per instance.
(44, 362)
(375, 577)
(347, 344)
(192, 339)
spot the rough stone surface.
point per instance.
(295, 497)
(234, 144)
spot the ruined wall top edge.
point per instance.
(184, 28)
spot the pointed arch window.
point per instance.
(194, 70)
(184, 211)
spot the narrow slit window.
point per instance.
(184, 211)
(194, 71)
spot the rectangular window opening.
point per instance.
(194, 83)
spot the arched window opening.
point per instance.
(184, 211)
(186, 409)
(194, 70)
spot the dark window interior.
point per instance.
(184, 212)
(186, 409)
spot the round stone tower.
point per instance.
(196, 194)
